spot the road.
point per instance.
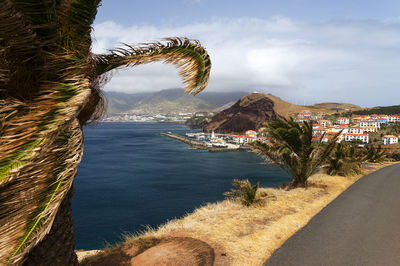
(360, 227)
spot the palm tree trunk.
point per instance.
(57, 247)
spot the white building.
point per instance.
(251, 133)
(390, 139)
(370, 123)
(316, 117)
(342, 128)
(330, 135)
(343, 121)
(304, 114)
(324, 122)
(380, 117)
(301, 120)
(363, 137)
(318, 130)
(370, 129)
(242, 139)
(394, 118)
(356, 130)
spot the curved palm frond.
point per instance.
(188, 55)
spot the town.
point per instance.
(378, 129)
(175, 117)
(375, 128)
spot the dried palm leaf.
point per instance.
(49, 87)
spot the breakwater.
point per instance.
(198, 144)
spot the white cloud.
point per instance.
(353, 61)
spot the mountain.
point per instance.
(255, 109)
(119, 102)
(169, 101)
(250, 112)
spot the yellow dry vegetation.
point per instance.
(287, 109)
(249, 235)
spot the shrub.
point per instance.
(245, 191)
(344, 160)
(374, 154)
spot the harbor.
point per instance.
(205, 141)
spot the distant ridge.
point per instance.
(170, 101)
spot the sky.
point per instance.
(304, 51)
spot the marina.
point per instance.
(202, 141)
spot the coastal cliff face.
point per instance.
(250, 112)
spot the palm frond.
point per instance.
(290, 146)
(76, 19)
(15, 33)
(29, 223)
(188, 55)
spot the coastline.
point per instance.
(249, 235)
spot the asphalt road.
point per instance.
(360, 227)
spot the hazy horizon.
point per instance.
(297, 102)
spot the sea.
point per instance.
(131, 177)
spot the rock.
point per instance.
(177, 251)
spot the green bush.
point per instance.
(245, 191)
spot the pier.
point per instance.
(197, 144)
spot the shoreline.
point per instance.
(249, 235)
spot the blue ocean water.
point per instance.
(131, 176)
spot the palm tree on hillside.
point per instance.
(290, 145)
(49, 88)
(344, 160)
(395, 129)
(374, 154)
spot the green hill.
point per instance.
(388, 110)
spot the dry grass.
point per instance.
(249, 235)
(287, 109)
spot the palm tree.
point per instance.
(290, 146)
(374, 154)
(344, 160)
(395, 129)
(49, 88)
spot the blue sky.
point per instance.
(301, 50)
(158, 12)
